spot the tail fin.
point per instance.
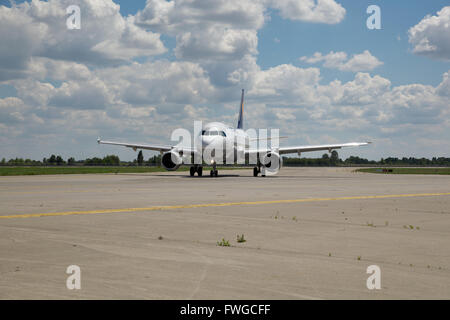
(241, 113)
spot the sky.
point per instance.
(137, 70)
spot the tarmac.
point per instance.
(311, 233)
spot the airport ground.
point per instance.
(310, 233)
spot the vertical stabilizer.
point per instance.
(241, 113)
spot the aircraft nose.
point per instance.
(210, 141)
(206, 141)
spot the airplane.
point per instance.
(216, 135)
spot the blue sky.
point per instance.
(351, 35)
(302, 38)
(138, 72)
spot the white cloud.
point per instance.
(12, 110)
(286, 81)
(222, 29)
(38, 28)
(49, 69)
(363, 90)
(431, 36)
(322, 11)
(132, 42)
(171, 94)
(339, 60)
(158, 82)
(444, 87)
(218, 43)
(177, 16)
(222, 35)
(92, 94)
(20, 36)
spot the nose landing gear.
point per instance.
(195, 169)
(214, 172)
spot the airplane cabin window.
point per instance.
(213, 133)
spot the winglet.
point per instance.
(98, 140)
(241, 113)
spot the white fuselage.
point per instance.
(218, 136)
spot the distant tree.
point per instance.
(93, 162)
(111, 160)
(3, 161)
(16, 162)
(140, 158)
(325, 160)
(52, 160)
(356, 160)
(60, 161)
(334, 159)
(154, 161)
(71, 161)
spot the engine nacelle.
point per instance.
(171, 160)
(272, 162)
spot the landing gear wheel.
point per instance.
(192, 171)
(255, 171)
(263, 172)
(213, 173)
(200, 171)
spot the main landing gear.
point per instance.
(195, 169)
(257, 170)
(199, 170)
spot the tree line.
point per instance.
(57, 160)
(334, 160)
(325, 161)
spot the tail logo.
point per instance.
(241, 113)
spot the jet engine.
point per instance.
(272, 162)
(171, 160)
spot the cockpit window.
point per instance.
(213, 133)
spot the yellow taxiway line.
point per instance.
(224, 204)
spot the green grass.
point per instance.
(240, 238)
(406, 170)
(223, 243)
(40, 170)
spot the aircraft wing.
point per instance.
(300, 149)
(160, 148)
